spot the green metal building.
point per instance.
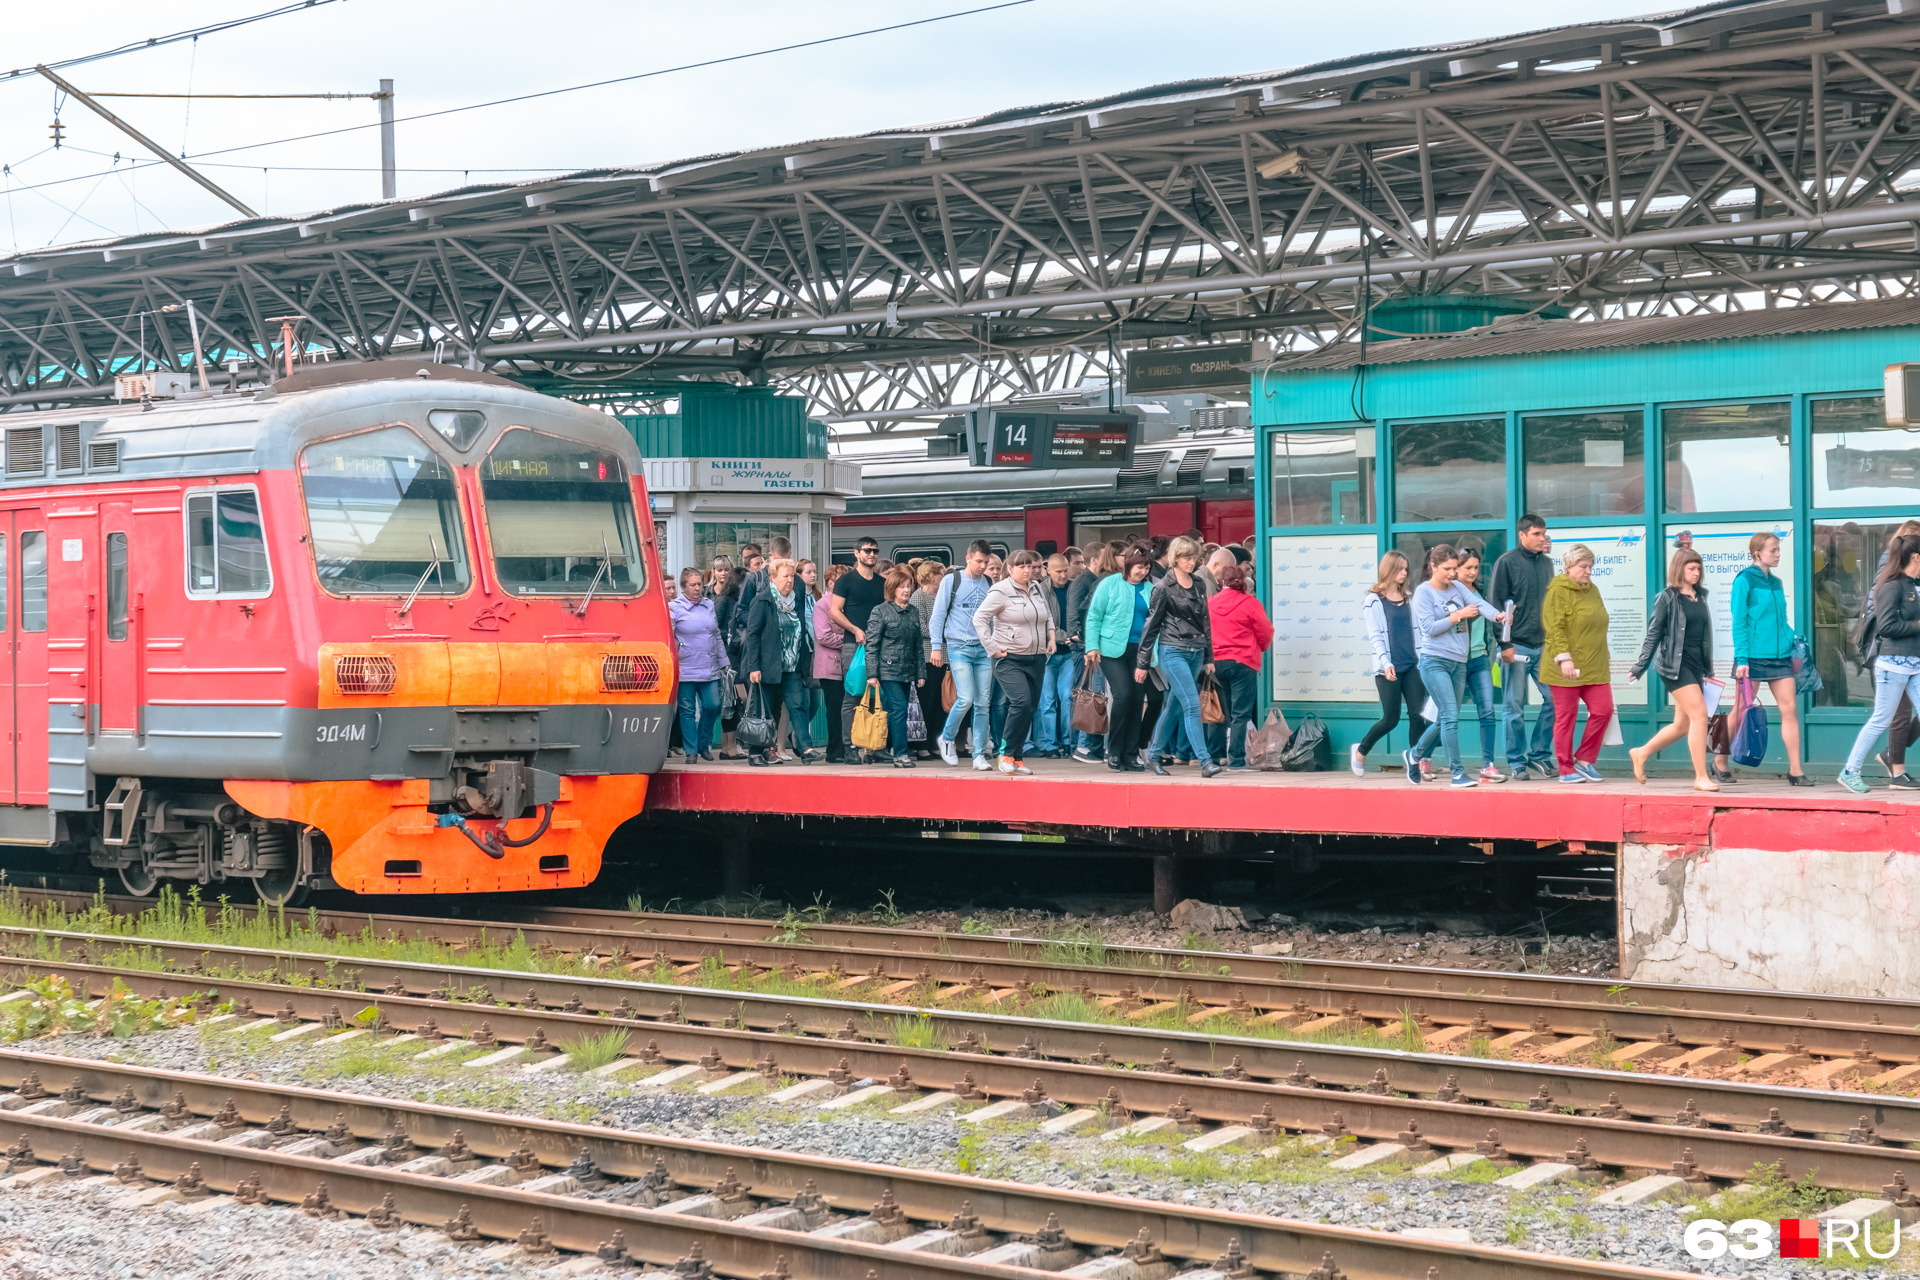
(1628, 435)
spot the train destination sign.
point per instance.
(1188, 368)
(1021, 439)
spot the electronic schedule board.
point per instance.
(1018, 438)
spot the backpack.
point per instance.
(1868, 641)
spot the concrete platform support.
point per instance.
(736, 859)
(1166, 884)
(1812, 919)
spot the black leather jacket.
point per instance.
(895, 648)
(1667, 636)
(1896, 603)
(1177, 617)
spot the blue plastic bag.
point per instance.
(856, 681)
(1750, 732)
(1806, 679)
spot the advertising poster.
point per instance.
(1723, 554)
(1320, 651)
(1620, 573)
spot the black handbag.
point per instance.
(757, 725)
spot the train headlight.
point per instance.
(629, 673)
(364, 673)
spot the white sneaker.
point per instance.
(1355, 762)
(1491, 774)
(947, 753)
(1007, 765)
(983, 764)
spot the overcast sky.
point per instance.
(443, 55)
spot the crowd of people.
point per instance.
(982, 659)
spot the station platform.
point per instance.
(1758, 812)
(1759, 884)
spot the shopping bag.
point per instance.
(1267, 743)
(1749, 730)
(1718, 734)
(1613, 736)
(756, 729)
(916, 718)
(729, 694)
(1430, 712)
(856, 678)
(1309, 750)
(1089, 708)
(948, 694)
(1211, 712)
(870, 723)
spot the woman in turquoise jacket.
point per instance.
(1763, 647)
(1116, 616)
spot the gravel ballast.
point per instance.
(1559, 1220)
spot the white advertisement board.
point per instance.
(1320, 651)
(1620, 573)
(762, 475)
(1723, 554)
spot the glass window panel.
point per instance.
(561, 517)
(33, 581)
(1860, 461)
(1727, 457)
(1846, 558)
(1320, 477)
(725, 538)
(200, 544)
(116, 586)
(385, 515)
(226, 544)
(1450, 470)
(1414, 545)
(1585, 465)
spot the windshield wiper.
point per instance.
(606, 564)
(432, 569)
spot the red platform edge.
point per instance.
(1062, 796)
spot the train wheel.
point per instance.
(282, 888)
(139, 881)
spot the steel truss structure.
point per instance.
(1737, 155)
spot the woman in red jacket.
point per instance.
(1241, 634)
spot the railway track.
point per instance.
(676, 1204)
(1833, 1039)
(1408, 1112)
(1688, 1102)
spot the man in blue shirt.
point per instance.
(957, 646)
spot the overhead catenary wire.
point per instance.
(156, 42)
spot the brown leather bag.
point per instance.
(1090, 709)
(948, 695)
(1211, 712)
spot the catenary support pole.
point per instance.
(388, 186)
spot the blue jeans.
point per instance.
(893, 696)
(1091, 742)
(1888, 688)
(1480, 686)
(699, 711)
(972, 691)
(1513, 683)
(1446, 682)
(1181, 667)
(1056, 700)
(797, 691)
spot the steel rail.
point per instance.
(582, 929)
(572, 1223)
(1536, 1135)
(1202, 1052)
(1012, 1208)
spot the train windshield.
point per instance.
(385, 515)
(560, 515)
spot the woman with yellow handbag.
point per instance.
(896, 664)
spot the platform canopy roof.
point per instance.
(1750, 154)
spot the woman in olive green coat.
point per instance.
(1576, 666)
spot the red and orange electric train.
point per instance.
(392, 628)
